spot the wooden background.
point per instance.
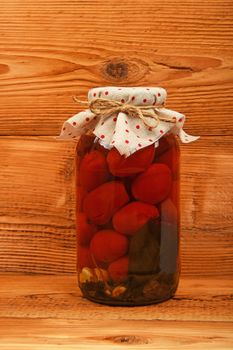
(51, 50)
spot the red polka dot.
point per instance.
(126, 122)
(73, 137)
(150, 140)
(122, 100)
(95, 118)
(139, 145)
(126, 130)
(94, 94)
(161, 131)
(150, 129)
(159, 94)
(74, 123)
(64, 129)
(70, 133)
(115, 119)
(137, 126)
(102, 136)
(102, 123)
(126, 141)
(148, 89)
(87, 119)
(106, 92)
(144, 100)
(113, 141)
(180, 120)
(133, 98)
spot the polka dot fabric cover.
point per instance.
(125, 133)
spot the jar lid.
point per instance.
(155, 96)
(127, 118)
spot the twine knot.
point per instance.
(105, 108)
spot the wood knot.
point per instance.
(124, 70)
(117, 69)
(128, 339)
(4, 68)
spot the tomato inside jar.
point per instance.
(127, 222)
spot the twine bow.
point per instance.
(105, 108)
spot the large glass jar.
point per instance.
(127, 222)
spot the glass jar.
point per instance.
(127, 222)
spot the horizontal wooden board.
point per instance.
(48, 311)
(206, 206)
(57, 297)
(51, 50)
(18, 334)
(37, 206)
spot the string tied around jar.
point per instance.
(149, 114)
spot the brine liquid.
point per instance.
(127, 223)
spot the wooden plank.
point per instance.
(18, 334)
(57, 297)
(49, 311)
(51, 50)
(206, 206)
(37, 206)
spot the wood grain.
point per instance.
(51, 50)
(197, 299)
(52, 334)
(37, 205)
(206, 206)
(49, 311)
(37, 228)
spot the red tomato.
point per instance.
(109, 245)
(134, 164)
(93, 170)
(85, 229)
(133, 216)
(118, 270)
(154, 185)
(84, 257)
(101, 203)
